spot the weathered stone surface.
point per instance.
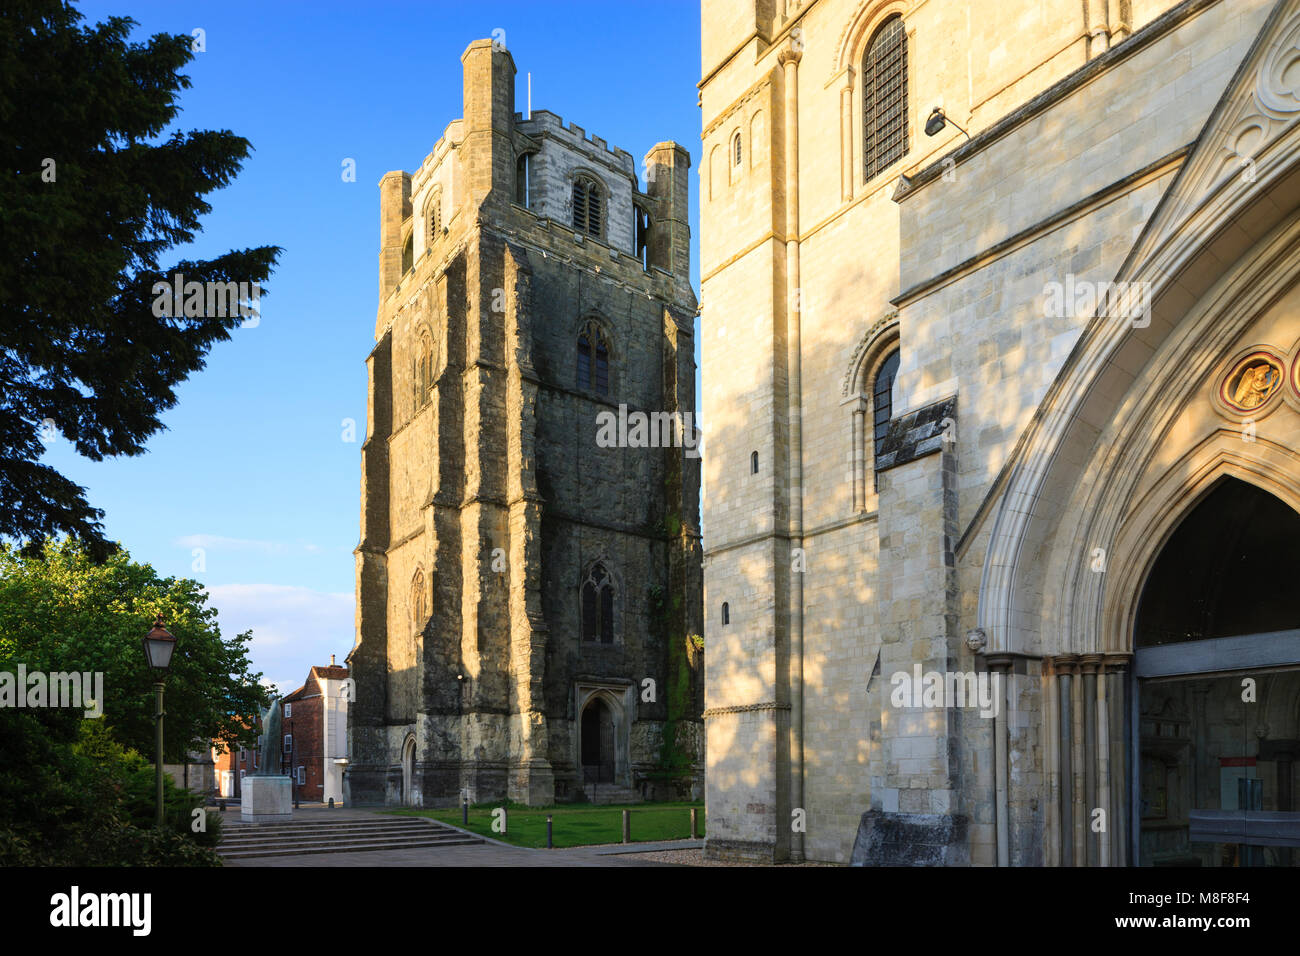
(911, 839)
(487, 500)
(266, 799)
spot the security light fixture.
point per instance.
(938, 120)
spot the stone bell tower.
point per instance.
(529, 594)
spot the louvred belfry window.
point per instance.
(884, 98)
(588, 206)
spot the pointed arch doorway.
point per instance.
(1215, 728)
(597, 742)
(408, 772)
(602, 748)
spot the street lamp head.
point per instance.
(936, 122)
(158, 646)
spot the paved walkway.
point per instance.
(489, 853)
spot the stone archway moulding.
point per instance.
(1119, 459)
(1211, 215)
(869, 15)
(618, 697)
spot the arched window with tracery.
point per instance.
(593, 359)
(884, 97)
(598, 606)
(588, 206)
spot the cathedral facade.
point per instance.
(529, 569)
(1001, 353)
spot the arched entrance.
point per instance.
(408, 772)
(597, 742)
(1216, 730)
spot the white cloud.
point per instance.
(293, 627)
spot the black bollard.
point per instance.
(331, 803)
(464, 812)
(550, 843)
(627, 826)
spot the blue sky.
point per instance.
(253, 468)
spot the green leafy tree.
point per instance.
(94, 193)
(70, 796)
(62, 611)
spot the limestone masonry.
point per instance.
(921, 461)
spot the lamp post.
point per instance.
(158, 647)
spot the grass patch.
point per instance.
(575, 825)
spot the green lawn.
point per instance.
(576, 825)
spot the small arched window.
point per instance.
(736, 149)
(884, 97)
(593, 360)
(882, 399)
(753, 463)
(598, 606)
(435, 218)
(588, 206)
(726, 613)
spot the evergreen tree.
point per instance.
(93, 193)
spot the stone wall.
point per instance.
(804, 263)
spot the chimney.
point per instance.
(331, 660)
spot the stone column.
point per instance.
(789, 60)
(1089, 663)
(1000, 665)
(846, 137)
(1096, 27)
(1117, 722)
(1051, 764)
(1066, 666)
(858, 413)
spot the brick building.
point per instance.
(314, 722)
(231, 766)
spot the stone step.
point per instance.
(241, 841)
(248, 830)
(266, 838)
(264, 831)
(270, 847)
(604, 793)
(393, 844)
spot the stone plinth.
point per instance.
(266, 800)
(911, 839)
